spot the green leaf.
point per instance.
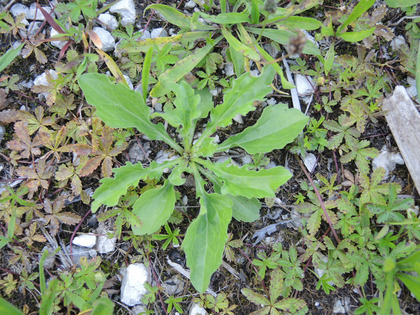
(48, 298)
(7, 308)
(306, 23)
(254, 297)
(401, 3)
(240, 181)
(329, 59)
(276, 284)
(112, 189)
(226, 18)
(255, 12)
(353, 37)
(358, 10)
(172, 15)
(181, 68)
(9, 56)
(145, 72)
(412, 283)
(153, 208)
(103, 306)
(238, 61)
(418, 73)
(236, 44)
(205, 239)
(239, 100)
(110, 99)
(276, 127)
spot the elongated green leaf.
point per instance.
(329, 59)
(172, 15)
(239, 100)
(243, 209)
(353, 37)
(120, 107)
(238, 60)
(145, 72)
(301, 22)
(153, 208)
(48, 298)
(358, 10)
(227, 18)
(205, 239)
(401, 3)
(7, 308)
(10, 55)
(418, 73)
(112, 189)
(255, 12)
(180, 69)
(412, 283)
(186, 111)
(276, 127)
(236, 44)
(240, 181)
(283, 37)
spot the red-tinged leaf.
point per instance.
(95, 39)
(51, 20)
(40, 56)
(25, 171)
(64, 172)
(24, 142)
(254, 297)
(39, 238)
(79, 148)
(107, 167)
(64, 49)
(117, 150)
(91, 165)
(68, 218)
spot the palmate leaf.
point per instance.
(120, 107)
(112, 189)
(254, 297)
(276, 127)
(153, 208)
(205, 239)
(240, 181)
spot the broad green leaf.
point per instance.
(353, 37)
(239, 100)
(112, 189)
(103, 306)
(186, 111)
(358, 10)
(9, 309)
(227, 18)
(276, 284)
(205, 239)
(276, 127)
(8, 57)
(236, 44)
(240, 181)
(180, 69)
(292, 305)
(120, 107)
(243, 209)
(401, 3)
(412, 283)
(238, 60)
(283, 37)
(206, 102)
(301, 22)
(254, 297)
(153, 208)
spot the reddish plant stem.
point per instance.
(157, 283)
(75, 231)
(319, 198)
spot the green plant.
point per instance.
(234, 186)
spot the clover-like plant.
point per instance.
(236, 189)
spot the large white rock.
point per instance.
(132, 287)
(85, 240)
(158, 32)
(105, 244)
(127, 10)
(196, 309)
(305, 87)
(388, 161)
(57, 43)
(18, 9)
(39, 16)
(108, 42)
(108, 20)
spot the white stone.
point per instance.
(39, 16)
(108, 20)
(388, 161)
(412, 89)
(305, 87)
(132, 287)
(190, 4)
(18, 9)
(127, 10)
(57, 43)
(196, 309)
(108, 42)
(338, 307)
(229, 71)
(146, 35)
(246, 159)
(254, 73)
(310, 161)
(42, 80)
(85, 240)
(238, 118)
(158, 32)
(105, 244)
(398, 42)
